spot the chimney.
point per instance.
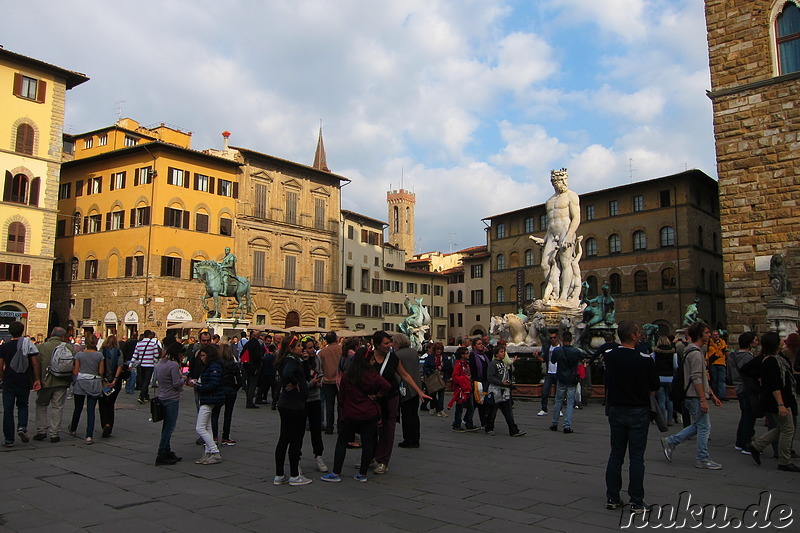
(225, 135)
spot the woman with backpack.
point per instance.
(112, 365)
(231, 383)
(87, 386)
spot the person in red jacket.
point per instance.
(360, 388)
(462, 391)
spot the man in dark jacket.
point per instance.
(253, 352)
(566, 357)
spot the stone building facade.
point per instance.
(655, 242)
(754, 56)
(32, 100)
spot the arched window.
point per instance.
(529, 296)
(16, 188)
(529, 225)
(501, 262)
(16, 238)
(501, 295)
(668, 280)
(615, 283)
(700, 236)
(529, 259)
(292, 319)
(73, 269)
(513, 260)
(460, 296)
(640, 281)
(25, 135)
(614, 244)
(591, 292)
(702, 278)
(76, 223)
(787, 29)
(396, 213)
(639, 240)
(452, 297)
(591, 247)
(667, 236)
(714, 241)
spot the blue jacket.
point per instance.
(209, 389)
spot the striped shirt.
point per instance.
(146, 352)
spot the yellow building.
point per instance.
(32, 118)
(137, 209)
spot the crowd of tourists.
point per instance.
(363, 386)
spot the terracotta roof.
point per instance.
(72, 78)
(146, 147)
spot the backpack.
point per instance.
(750, 373)
(61, 362)
(679, 387)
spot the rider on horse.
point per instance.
(227, 267)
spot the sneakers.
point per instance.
(360, 478)
(459, 429)
(553, 428)
(611, 505)
(172, 454)
(541, 413)
(737, 448)
(280, 480)
(55, 439)
(141, 400)
(561, 413)
(789, 468)
(754, 453)
(8, 444)
(89, 440)
(568, 430)
(746, 452)
(491, 433)
(432, 412)
(201, 459)
(212, 459)
(709, 464)
(228, 442)
(320, 464)
(472, 429)
(442, 414)
(639, 508)
(519, 433)
(23, 435)
(665, 444)
(331, 478)
(40, 436)
(382, 468)
(165, 460)
(299, 480)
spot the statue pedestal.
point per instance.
(783, 314)
(227, 327)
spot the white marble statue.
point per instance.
(561, 250)
(516, 329)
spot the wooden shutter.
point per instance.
(170, 171)
(26, 274)
(33, 199)
(146, 216)
(136, 176)
(164, 265)
(124, 172)
(7, 187)
(133, 218)
(185, 220)
(108, 221)
(41, 90)
(17, 84)
(166, 216)
(113, 181)
(196, 183)
(85, 224)
(186, 176)
(211, 184)
(235, 190)
(128, 267)
(176, 267)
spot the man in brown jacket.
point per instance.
(329, 356)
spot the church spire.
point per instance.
(320, 161)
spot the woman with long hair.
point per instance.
(210, 393)
(312, 366)
(170, 384)
(360, 390)
(87, 386)
(231, 383)
(666, 364)
(292, 410)
(112, 365)
(436, 361)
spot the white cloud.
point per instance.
(528, 146)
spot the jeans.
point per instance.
(717, 374)
(347, 432)
(50, 410)
(700, 426)
(91, 403)
(107, 404)
(468, 407)
(664, 403)
(130, 383)
(782, 433)
(171, 409)
(562, 390)
(230, 400)
(203, 428)
(147, 376)
(508, 414)
(293, 428)
(629, 427)
(314, 419)
(409, 420)
(549, 379)
(328, 394)
(14, 393)
(252, 383)
(747, 423)
(438, 397)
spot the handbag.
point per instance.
(434, 382)
(156, 409)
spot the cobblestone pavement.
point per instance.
(544, 481)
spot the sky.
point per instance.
(467, 103)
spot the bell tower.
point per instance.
(401, 220)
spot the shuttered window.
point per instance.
(290, 269)
(16, 238)
(259, 260)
